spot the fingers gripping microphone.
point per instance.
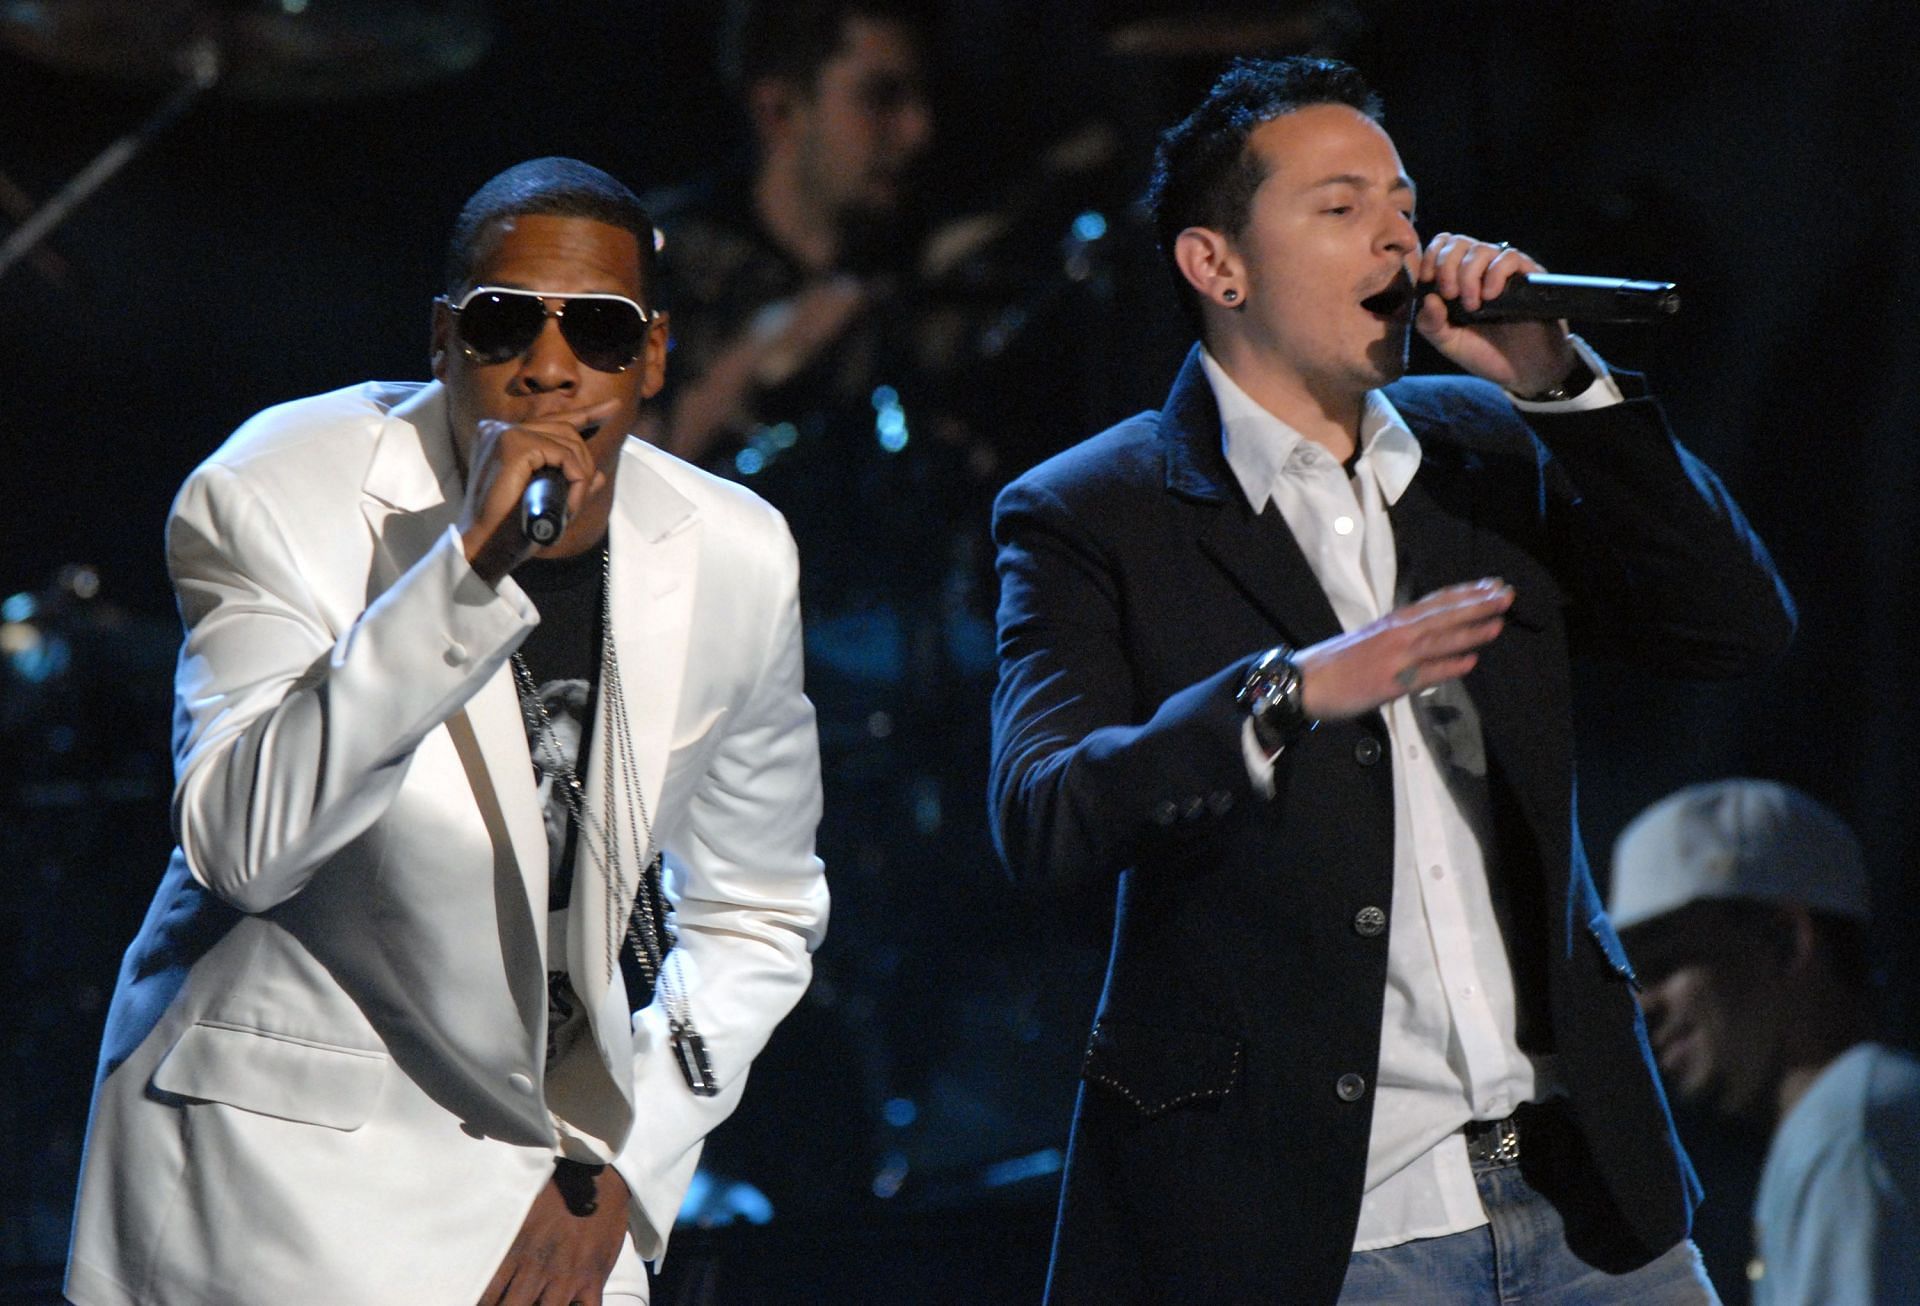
(1550, 296)
(543, 506)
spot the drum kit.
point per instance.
(288, 50)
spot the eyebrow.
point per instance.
(1355, 179)
(552, 294)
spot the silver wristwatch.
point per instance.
(1272, 694)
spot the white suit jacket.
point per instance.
(322, 1078)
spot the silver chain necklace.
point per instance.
(605, 845)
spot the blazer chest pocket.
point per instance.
(274, 1075)
(1156, 1068)
(1538, 603)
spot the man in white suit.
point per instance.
(373, 1043)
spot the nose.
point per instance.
(549, 364)
(1399, 237)
(913, 126)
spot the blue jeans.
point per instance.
(1522, 1255)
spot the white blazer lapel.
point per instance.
(413, 488)
(654, 536)
(412, 494)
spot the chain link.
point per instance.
(603, 845)
(648, 932)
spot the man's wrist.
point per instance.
(495, 557)
(1577, 379)
(1576, 390)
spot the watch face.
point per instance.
(1272, 694)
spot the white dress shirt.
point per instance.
(1448, 1051)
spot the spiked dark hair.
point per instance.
(1203, 173)
(791, 39)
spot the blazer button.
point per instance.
(1349, 1087)
(1219, 802)
(1367, 751)
(1369, 922)
(1191, 809)
(1165, 812)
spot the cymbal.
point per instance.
(1216, 35)
(262, 49)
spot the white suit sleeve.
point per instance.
(291, 737)
(750, 901)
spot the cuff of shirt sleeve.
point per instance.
(1604, 391)
(1259, 760)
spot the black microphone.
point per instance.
(543, 506)
(1549, 296)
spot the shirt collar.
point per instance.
(1258, 445)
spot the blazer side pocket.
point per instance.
(1157, 1068)
(274, 1075)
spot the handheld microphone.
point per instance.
(1549, 296)
(543, 506)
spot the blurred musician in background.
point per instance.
(814, 359)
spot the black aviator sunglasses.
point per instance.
(497, 323)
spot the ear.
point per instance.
(440, 346)
(1211, 265)
(1797, 939)
(653, 357)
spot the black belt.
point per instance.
(1493, 1142)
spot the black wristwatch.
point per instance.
(1272, 694)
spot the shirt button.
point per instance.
(1413, 750)
(1437, 872)
(456, 653)
(520, 1083)
(1349, 1087)
(1369, 922)
(1165, 812)
(1367, 751)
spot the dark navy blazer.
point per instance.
(1219, 1147)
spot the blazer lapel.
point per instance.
(1432, 535)
(412, 491)
(1265, 561)
(412, 494)
(1258, 551)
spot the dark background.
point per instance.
(1760, 155)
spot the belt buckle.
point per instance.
(1493, 1142)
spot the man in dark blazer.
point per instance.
(1288, 662)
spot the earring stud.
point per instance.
(1230, 294)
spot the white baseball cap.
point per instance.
(1751, 839)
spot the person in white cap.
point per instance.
(1743, 905)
